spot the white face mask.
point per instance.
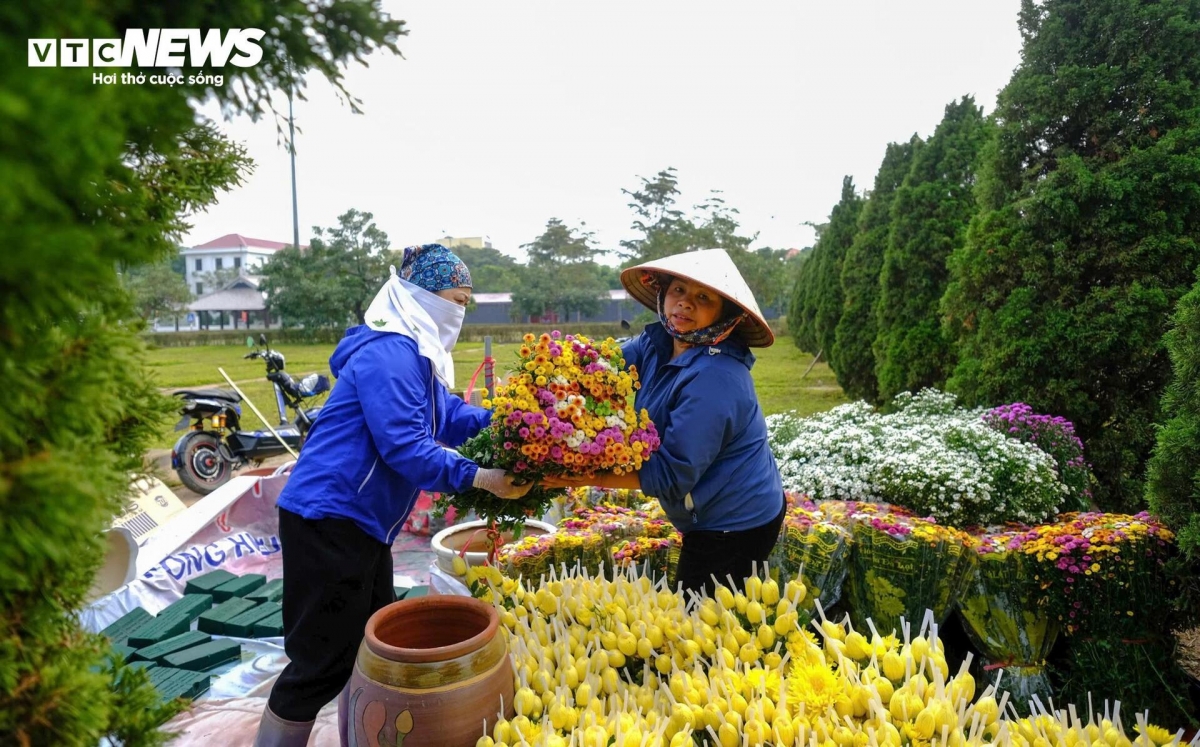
(447, 315)
(432, 321)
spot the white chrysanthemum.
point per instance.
(929, 455)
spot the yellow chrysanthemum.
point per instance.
(757, 678)
(804, 652)
(1157, 734)
(814, 685)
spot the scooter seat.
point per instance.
(225, 395)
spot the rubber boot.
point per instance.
(344, 717)
(276, 732)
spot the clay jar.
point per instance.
(429, 672)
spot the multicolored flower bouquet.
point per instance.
(900, 566)
(581, 549)
(814, 550)
(1102, 572)
(592, 496)
(529, 557)
(567, 409)
(1002, 608)
(593, 539)
(1105, 583)
(654, 557)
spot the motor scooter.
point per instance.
(215, 445)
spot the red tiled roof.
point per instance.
(233, 240)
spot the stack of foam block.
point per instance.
(180, 659)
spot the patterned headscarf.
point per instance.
(434, 268)
(714, 334)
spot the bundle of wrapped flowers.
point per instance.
(595, 538)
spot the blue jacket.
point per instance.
(714, 470)
(378, 440)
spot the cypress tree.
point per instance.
(929, 218)
(1087, 235)
(1173, 475)
(803, 309)
(94, 178)
(851, 357)
(843, 227)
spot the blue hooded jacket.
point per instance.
(714, 470)
(378, 440)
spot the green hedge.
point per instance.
(499, 333)
(238, 337)
(514, 332)
(470, 333)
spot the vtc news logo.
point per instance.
(152, 48)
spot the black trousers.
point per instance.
(706, 554)
(335, 576)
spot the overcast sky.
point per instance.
(503, 115)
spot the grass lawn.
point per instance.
(776, 375)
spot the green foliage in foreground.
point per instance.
(1173, 479)
(95, 179)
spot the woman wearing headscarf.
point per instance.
(714, 475)
(380, 439)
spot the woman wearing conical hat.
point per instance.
(714, 474)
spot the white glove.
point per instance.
(500, 483)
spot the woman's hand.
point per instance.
(500, 483)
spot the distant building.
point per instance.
(473, 242)
(240, 303)
(229, 252)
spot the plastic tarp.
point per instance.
(234, 528)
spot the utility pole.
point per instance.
(292, 148)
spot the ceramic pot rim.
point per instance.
(445, 555)
(439, 540)
(465, 605)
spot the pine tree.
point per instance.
(666, 229)
(562, 274)
(331, 282)
(156, 290)
(929, 217)
(852, 358)
(1173, 475)
(94, 177)
(1088, 229)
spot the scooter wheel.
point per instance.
(202, 469)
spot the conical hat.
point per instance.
(711, 267)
